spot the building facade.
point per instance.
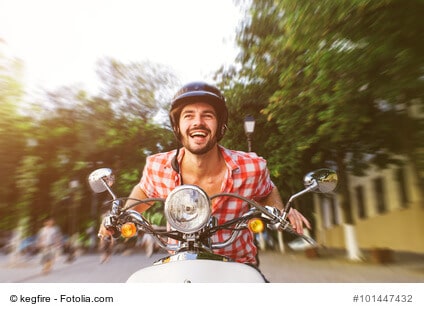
(387, 209)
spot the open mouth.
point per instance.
(198, 134)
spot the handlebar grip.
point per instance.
(290, 229)
(109, 223)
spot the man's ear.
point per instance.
(223, 130)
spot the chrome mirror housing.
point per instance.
(324, 179)
(100, 179)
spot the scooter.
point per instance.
(192, 226)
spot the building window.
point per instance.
(359, 191)
(328, 211)
(402, 187)
(333, 210)
(379, 194)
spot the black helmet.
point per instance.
(199, 91)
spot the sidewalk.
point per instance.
(26, 267)
(332, 266)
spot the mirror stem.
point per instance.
(108, 189)
(310, 188)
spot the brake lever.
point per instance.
(288, 228)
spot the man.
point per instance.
(49, 240)
(199, 120)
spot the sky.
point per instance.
(60, 41)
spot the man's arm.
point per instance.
(137, 193)
(273, 199)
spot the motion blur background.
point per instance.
(335, 84)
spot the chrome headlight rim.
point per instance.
(206, 210)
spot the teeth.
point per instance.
(198, 134)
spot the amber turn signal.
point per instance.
(128, 230)
(256, 225)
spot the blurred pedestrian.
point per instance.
(70, 249)
(106, 248)
(91, 234)
(14, 246)
(49, 241)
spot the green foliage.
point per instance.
(155, 214)
(69, 133)
(13, 136)
(331, 83)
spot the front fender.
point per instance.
(198, 271)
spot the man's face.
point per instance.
(198, 126)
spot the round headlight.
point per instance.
(187, 208)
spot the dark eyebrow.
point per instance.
(209, 111)
(184, 111)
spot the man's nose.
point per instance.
(198, 120)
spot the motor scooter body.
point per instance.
(186, 267)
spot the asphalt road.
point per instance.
(278, 268)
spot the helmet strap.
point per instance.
(176, 166)
(174, 162)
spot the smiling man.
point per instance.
(199, 119)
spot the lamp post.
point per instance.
(73, 186)
(249, 128)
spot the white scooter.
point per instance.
(192, 225)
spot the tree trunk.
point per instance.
(417, 163)
(344, 192)
(351, 242)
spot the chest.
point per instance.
(211, 184)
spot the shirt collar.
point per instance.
(229, 161)
(231, 164)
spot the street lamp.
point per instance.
(73, 186)
(249, 128)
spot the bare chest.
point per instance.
(211, 184)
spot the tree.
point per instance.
(77, 134)
(345, 95)
(327, 90)
(136, 89)
(338, 79)
(13, 137)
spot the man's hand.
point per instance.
(103, 232)
(297, 220)
(105, 235)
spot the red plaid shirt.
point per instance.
(247, 175)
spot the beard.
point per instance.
(199, 149)
(203, 149)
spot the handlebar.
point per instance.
(272, 216)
